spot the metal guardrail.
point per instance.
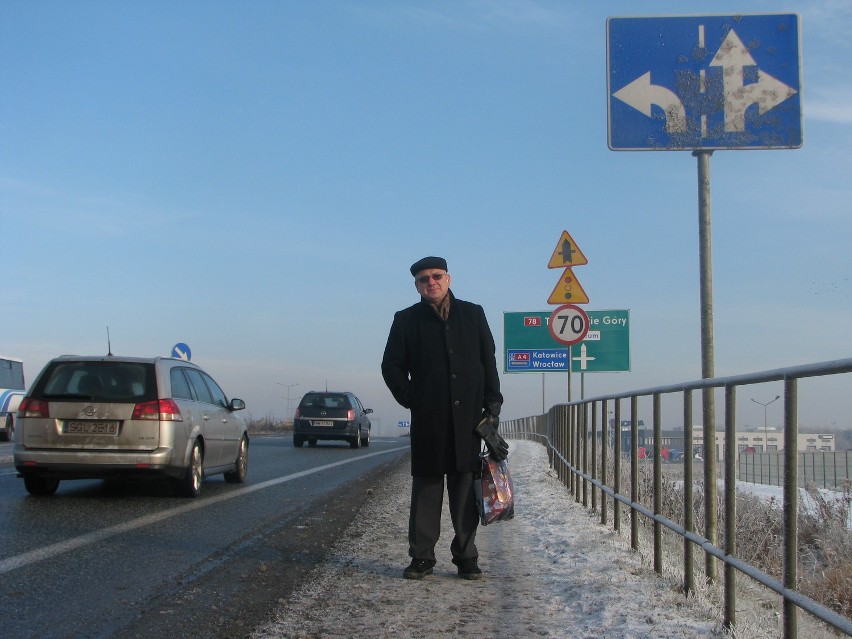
(830, 470)
(581, 462)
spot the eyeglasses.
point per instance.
(435, 276)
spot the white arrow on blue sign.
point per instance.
(181, 351)
(704, 83)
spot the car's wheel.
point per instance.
(40, 485)
(365, 441)
(298, 440)
(238, 475)
(355, 442)
(8, 428)
(190, 484)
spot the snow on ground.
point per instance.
(552, 571)
(806, 502)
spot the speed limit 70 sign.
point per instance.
(568, 324)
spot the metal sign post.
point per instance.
(708, 396)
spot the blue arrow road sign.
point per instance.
(181, 351)
(704, 83)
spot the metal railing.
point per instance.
(830, 470)
(579, 447)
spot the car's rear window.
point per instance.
(324, 400)
(97, 381)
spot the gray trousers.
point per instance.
(424, 521)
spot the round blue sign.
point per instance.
(181, 351)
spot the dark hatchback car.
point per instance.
(331, 416)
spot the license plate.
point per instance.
(320, 422)
(91, 428)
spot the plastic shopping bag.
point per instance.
(495, 495)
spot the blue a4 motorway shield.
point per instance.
(704, 82)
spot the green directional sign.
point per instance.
(606, 347)
(530, 348)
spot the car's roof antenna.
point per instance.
(109, 345)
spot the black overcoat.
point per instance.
(445, 372)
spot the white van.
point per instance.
(11, 393)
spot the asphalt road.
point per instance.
(120, 560)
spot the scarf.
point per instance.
(442, 308)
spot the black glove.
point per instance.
(494, 409)
(487, 430)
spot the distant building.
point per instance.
(767, 441)
(751, 441)
(772, 441)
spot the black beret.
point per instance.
(428, 262)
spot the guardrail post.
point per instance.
(604, 458)
(557, 440)
(616, 479)
(588, 462)
(658, 484)
(578, 452)
(688, 510)
(559, 426)
(572, 451)
(634, 471)
(791, 503)
(572, 411)
(585, 448)
(566, 447)
(563, 444)
(711, 510)
(730, 612)
(564, 414)
(550, 431)
(593, 461)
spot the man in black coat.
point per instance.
(439, 362)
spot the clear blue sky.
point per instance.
(254, 178)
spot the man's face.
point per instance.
(432, 284)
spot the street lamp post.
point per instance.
(765, 436)
(287, 397)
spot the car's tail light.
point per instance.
(298, 414)
(33, 408)
(166, 410)
(350, 415)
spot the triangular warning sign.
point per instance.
(567, 253)
(568, 290)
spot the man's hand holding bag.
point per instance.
(487, 431)
(494, 491)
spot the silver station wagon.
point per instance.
(127, 418)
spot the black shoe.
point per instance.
(418, 568)
(468, 569)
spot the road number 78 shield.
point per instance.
(568, 324)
